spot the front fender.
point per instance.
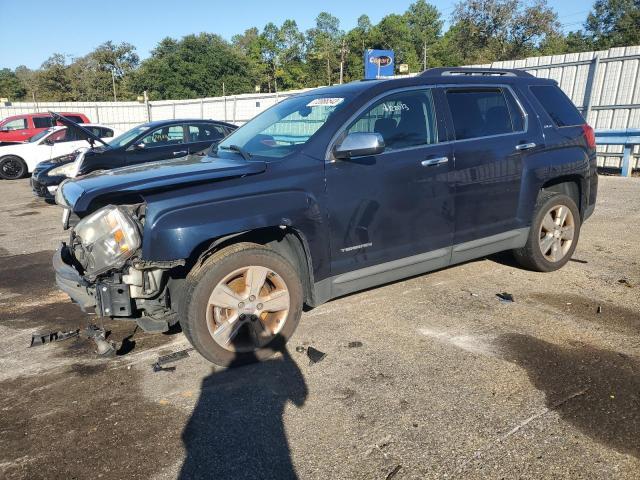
(176, 233)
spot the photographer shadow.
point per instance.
(237, 430)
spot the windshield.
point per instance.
(126, 137)
(285, 127)
(41, 134)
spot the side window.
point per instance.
(481, 112)
(171, 135)
(204, 133)
(42, 122)
(405, 119)
(557, 105)
(17, 124)
(517, 117)
(105, 133)
(60, 136)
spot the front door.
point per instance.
(161, 144)
(397, 204)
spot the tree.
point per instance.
(394, 33)
(425, 24)
(195, 66)
(491, 30)
(324, 43)
(10, 85)
(53, 80)
(614, 23)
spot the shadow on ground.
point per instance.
(236, 430)
(608, 411)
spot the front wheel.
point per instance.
(12, 167)
(241, 305)
(553, 235)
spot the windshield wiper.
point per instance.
(236, 148)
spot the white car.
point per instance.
(18, 160)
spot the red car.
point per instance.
(20, 128)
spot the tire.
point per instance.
(12, 167)
(550, 245)
(205, 305)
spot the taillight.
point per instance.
(589, 135)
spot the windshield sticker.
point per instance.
(325, 102)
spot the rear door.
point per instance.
(160, 144)
(396, 204)
(200, 137)
(492, 133)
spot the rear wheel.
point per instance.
(553, 235)
(12, 167)
(241, 305)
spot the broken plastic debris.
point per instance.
(40, 338)
(172, 357)
(625, 282)
(314, 355)
(354, 344)
(505, 297)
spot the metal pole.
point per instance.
(626, 161)
(588, 90)
(97, 113)
(173, 105)
(224, 99)
(113, 80)
(235, 102)
(147, 105)
(202, 108)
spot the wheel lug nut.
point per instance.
(259, 306)
(241, 305)
(252, 298)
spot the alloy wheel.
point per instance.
(557, 231)
(247, 308)
(12, 168)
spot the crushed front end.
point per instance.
(101, 270)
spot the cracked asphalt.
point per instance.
(445, 382)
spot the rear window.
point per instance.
(482, 112)
(557, 105)
(42, 122)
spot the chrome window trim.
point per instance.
(328, 157)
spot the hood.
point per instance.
(162, 175)
(71, 124)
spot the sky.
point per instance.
(32, 30)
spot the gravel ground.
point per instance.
(446, 381)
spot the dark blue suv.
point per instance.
(326, 193)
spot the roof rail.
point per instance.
(464, 71)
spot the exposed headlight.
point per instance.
(69, 157)
(108, 237)
(66, 170)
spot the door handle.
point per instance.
(525, 146)
(180, 153)
(434, 161)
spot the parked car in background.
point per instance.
(149, 142)
(329, 192)
(17, 160)
(20, 128)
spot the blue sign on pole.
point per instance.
(378, 63)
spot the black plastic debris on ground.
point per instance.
(577, 260)
(355, 344)
(505, 297)
(315, 355)
(40, 338)
(172, 357)
(105, 348)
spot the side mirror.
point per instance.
(138, 146)
(359, 144)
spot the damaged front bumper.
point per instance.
(71, 282)
(106, 299)
(128, 293)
